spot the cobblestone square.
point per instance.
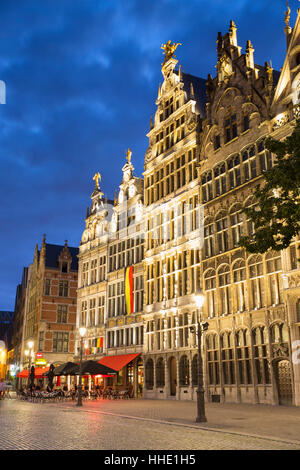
(136, 425)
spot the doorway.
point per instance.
(284, 382)
(173, 376)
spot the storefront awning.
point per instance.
(38, 373)
(118, 362)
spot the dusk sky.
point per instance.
(81, 82)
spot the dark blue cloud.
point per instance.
(82, 78)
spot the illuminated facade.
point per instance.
(50, 310)
(205, 157)
(110, 290)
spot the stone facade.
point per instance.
(205, 157)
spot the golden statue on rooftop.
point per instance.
(287, 14)
(169, 50)
(128, 155)
(97, 179)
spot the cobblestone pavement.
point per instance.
(280, 422)
(33, 426)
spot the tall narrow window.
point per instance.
(62, 313)
(209, 244)
(230, 128)
(257, 281)
(236, 222)
(243, 357)
(273, 261)
(222, 232)
(220, 179)
(210, 292)
(239, 279)
(206, 181)
(234, 171)
(249, 163)
(224, 290)
(212, 348)
(227, 358)
(261, 361)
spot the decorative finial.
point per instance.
(169, 50)
(269, 72)
(128, 155)
(159, 91)
(192, 90)
(287, 14)
(116, 198)
(97, 179)
(179, 73)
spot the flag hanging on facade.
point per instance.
(129, 290)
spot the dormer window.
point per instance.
(246, 123)
(217, 142)
(230, 128)
(169, 108)
(64, 267)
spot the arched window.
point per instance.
(262, 367)
(236, 222)
(206, 181)
(227, 358)
(222, 231)
(230, 127)
(209, 242)
(279, 333)
(220, 179)
(212, 348)
(273, 262)
(184, 373)
(224, 290)
(149, 374)
(243, 357)
(160, 373)
(234, 171)
(239, 279)
(249, 163)
(210, 292)
(257, 281)
(265, 157)
(250, 203)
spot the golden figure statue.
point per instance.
(128, 155)
(169, 50)
(97, 179)
(287, 14)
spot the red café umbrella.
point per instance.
(58, 381)
(38, 373)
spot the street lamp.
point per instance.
(28, 353)
(82, 331)
(201, 327)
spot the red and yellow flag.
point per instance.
(129, 290)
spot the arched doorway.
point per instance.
(140, 378)
(284, 382)
(173, 376)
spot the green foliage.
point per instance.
(276, 216)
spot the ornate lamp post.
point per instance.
(201, 327)
(82, 331)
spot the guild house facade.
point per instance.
(50, 306)
(205, 157)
